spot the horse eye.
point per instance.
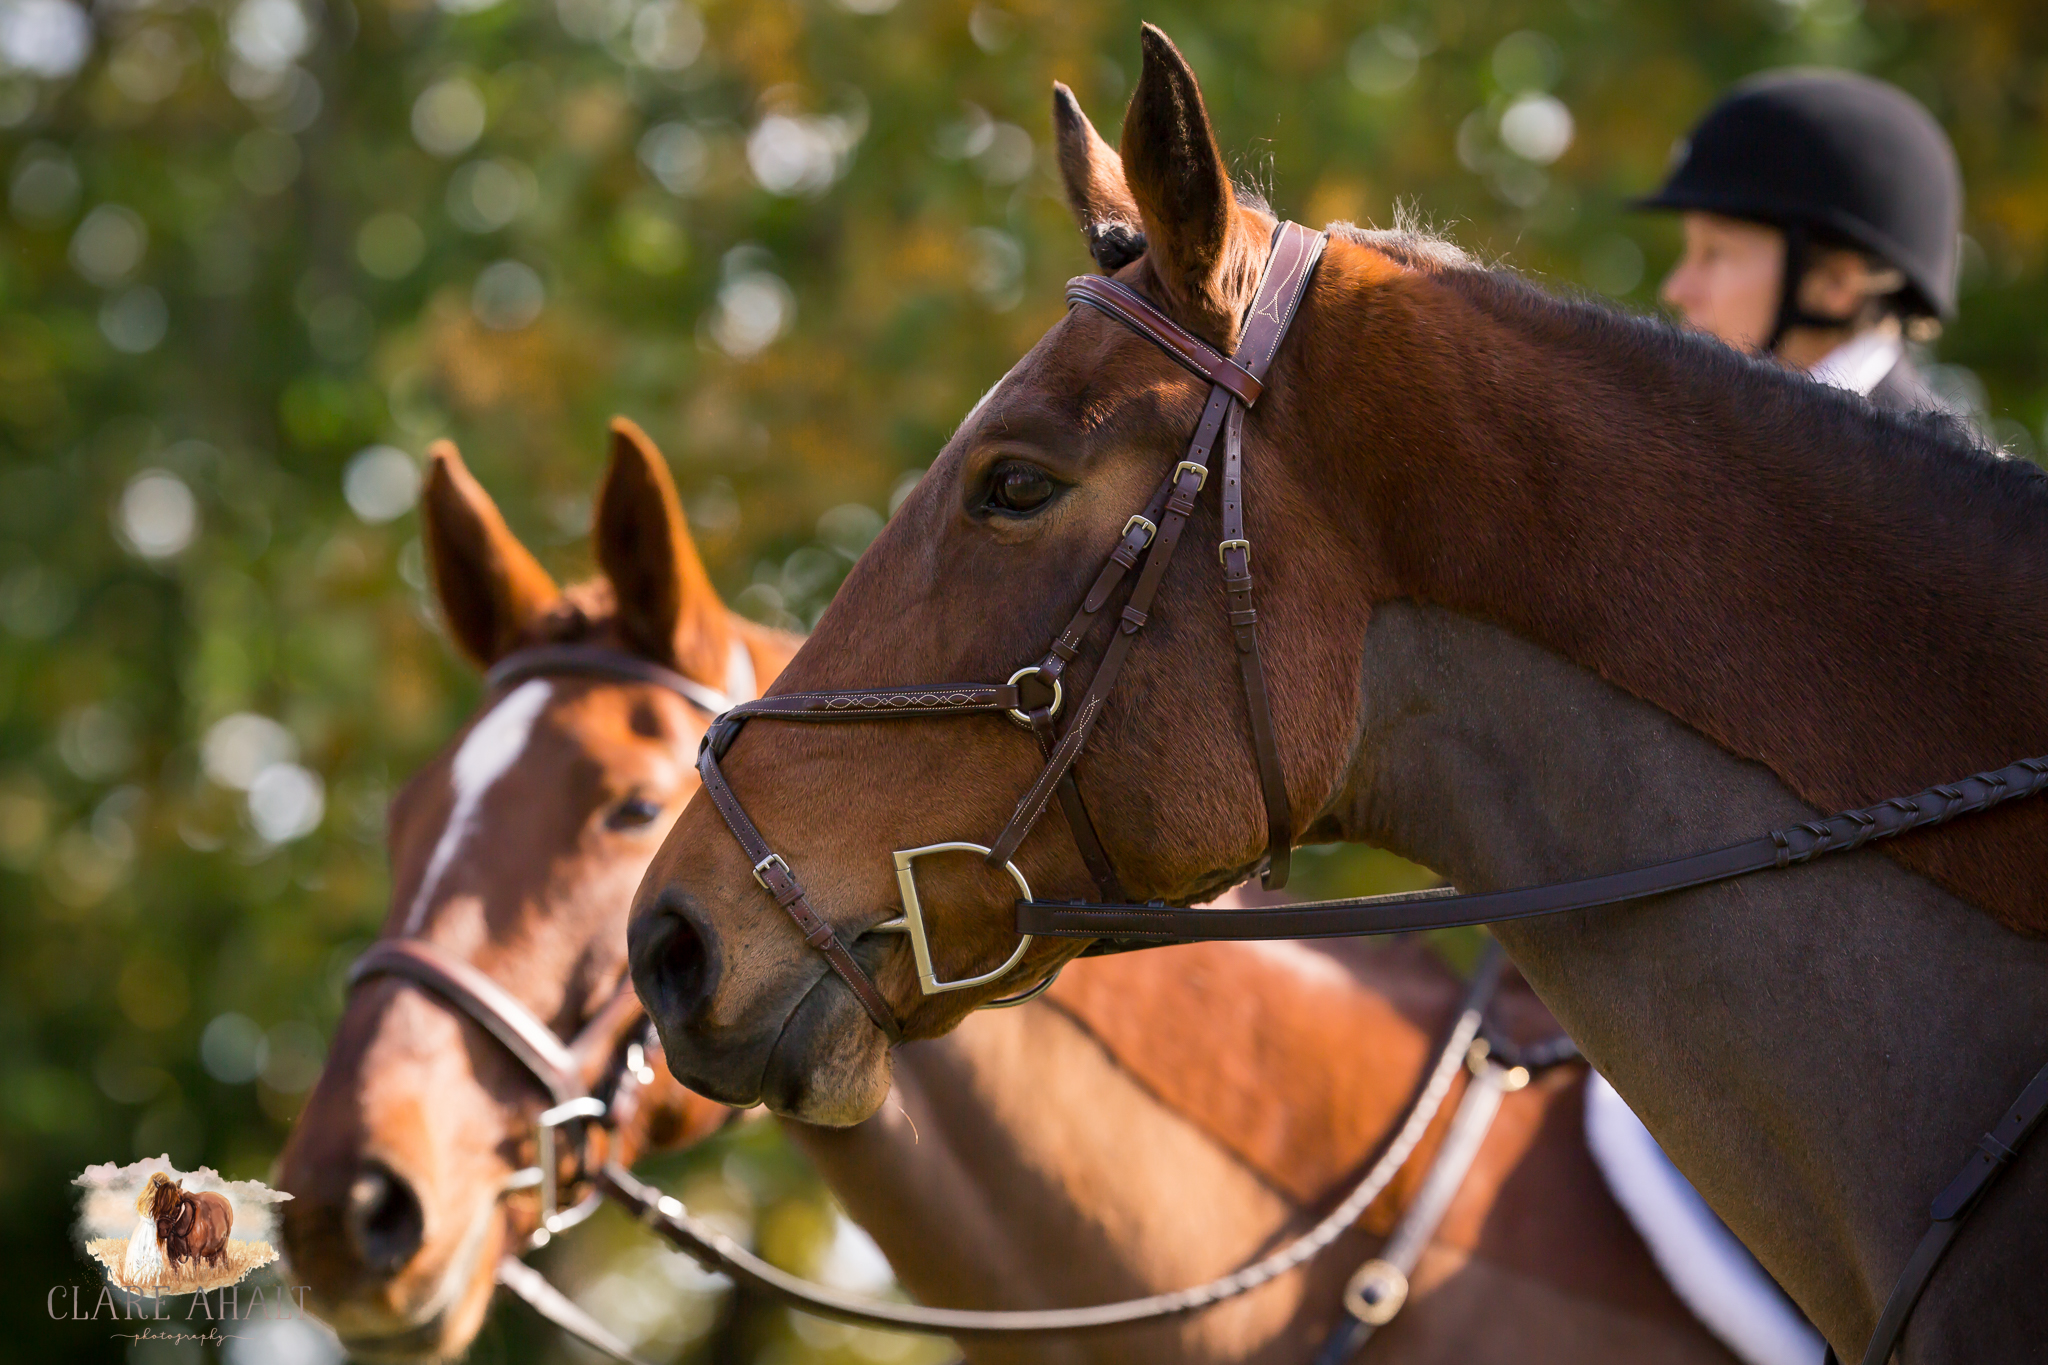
(1019, 488)
(635, 812)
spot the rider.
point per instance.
(1821, 214)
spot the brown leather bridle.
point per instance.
(592, 1079)
(1033, 696)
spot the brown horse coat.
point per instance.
(192, 1227)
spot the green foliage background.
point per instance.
(249, 239)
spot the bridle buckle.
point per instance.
(1140, 519)
(554, 1219)
(772, 860)
(1227, 546)
(1201, 473)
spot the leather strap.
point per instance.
(483, 1002)
(777, 880)
(1136, 312)
(1079, 823)
(1235, 553)
(1379, 1289)
(1445, 908)
(716, 1251)
(1185, 482)
(533, 1289)
(1951, 1208)
(554, 660)
(1288, 267)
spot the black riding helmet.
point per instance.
(1830, 158)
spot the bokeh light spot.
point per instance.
(286, 802)
(1537, 128)
(381, 483)
(448, 117)
(157, 515)
(233, 1049)
(239, 747)
(508, 295)
(109, 244)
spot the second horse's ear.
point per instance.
(667, 609)
(489, 585)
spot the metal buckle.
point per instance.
(911, 921)
(1058, 697)
(1201, 473)
(775, 858)
(1228, 545)
(553, 1219)
(1140, 519)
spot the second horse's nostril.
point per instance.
(673, 966)
(384, 1218)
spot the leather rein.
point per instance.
(592, 1082)
(1033, 697)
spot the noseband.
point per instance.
(1034, 696)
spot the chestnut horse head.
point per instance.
(977, 571)
(517, 850)
(159, 1202)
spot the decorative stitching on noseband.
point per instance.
(898, 701)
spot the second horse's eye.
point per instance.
(635, 812)
(1019, 488)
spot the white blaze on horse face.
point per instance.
(982, 401)
(494, 743)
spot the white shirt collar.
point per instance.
(1860, 363)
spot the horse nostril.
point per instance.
(674, 968)
(384, 1218)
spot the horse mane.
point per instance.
(1856, 598)
(1411, 241)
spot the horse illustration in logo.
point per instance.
(189, 1227)
(179, 1240)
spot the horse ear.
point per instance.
(1096, 192)
(489, 585)
(667, 609)
(1183, 194)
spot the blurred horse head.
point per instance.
(517, 850)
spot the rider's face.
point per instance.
(1727, 281)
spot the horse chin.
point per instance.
(830, 1066)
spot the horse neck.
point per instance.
(1816, 1048)
(1017, 1164)
(1857, 601)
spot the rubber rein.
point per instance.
(1032, 696)
(592, 1082)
